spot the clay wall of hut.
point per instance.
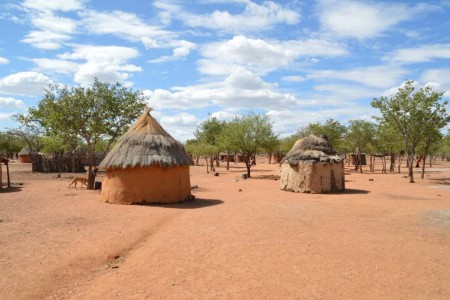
(152, 184)
(25, 158)
(312, 177)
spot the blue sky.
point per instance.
(296, 61)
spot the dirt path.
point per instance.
(241, 239)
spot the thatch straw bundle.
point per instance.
(145, 144)
(313, 149)
(26, 151)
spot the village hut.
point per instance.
(224, 157)
(147, 165)
(25, 155)
(312, 166)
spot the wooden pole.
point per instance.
(7, 174)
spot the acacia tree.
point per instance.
(443, 147)
(102, 111)
(429, 140)
(388, 140)
(10, 144)
(208, 133)
(414, 114)
(360, 136)
(333, 129)
(246, 135)
(200, 148)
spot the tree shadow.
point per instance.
(354, 192)
(12, 189)
(443, 180)
(266, 177)
(197, 203)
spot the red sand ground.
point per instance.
(384, 238)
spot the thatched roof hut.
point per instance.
(147, 165)
(25, 154)
(312, 166)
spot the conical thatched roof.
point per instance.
(311, 148)
(145, 144)
(26, 151)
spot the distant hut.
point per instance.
(224, 157)
(147, 165)
(25, 155)
(311, 166)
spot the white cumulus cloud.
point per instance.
(423, 53)
(54, 5)
(5, 116)
(60, 66)
(126, 25)
(3, 61)
(45, 39)
(254, 17)
(24, 83)
(262, 56)
(365, 19)
(375, 76)
(8, 102)
(181, 125)
(251, 93)
(107, 63)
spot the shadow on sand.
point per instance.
(443, 180)
(197, 203)
(11, 189)
(267, 177)
(354, 192)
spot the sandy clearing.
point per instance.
(380, 239)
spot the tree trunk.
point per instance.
(392, 166)
(207, 166)
(360, 160)
(217, 160)
(430, 160)
(211, 164)
(228, 160)
(423, 165)
(91, 176)
(7, 174)
(411, 165)
(247, 164)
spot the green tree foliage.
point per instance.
(10, 144)
(443, 147)
(333, 129)
(208, 133)
(359, 138)
(199, 148)
(387, 140)
(415, 114)
(246, 135)
(100, 112)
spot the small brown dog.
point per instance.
(81, 180)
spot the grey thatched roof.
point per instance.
(26, 151)
(312, 149)
(145, 144)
